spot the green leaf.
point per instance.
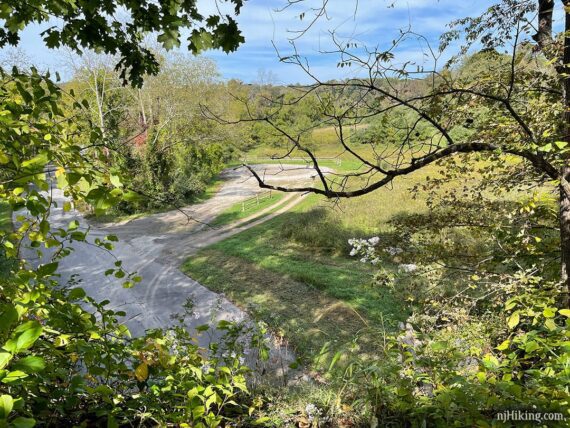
(31, 333)
(76, 294)
(513, 320)
(549, 312)
(5, 358)
(47, 269)
(14, 376)
(115, 180)
(490, 361)
(546, 148)
(503, 346)
(169, 39)
(550, 324)
(131, 196)
(531, 346)
(4, 158)
(39, 160)
(31, 364)
(22, 422)
(128, 284)
(6, 405)
(565, 312)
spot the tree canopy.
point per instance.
(120, 27)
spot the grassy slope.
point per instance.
(313, 296)
(303, 284)
(319, 294)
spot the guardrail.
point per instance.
(336, 160)
(255, 199)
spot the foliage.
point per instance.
(488, 333)
(91, 25)
(157, 134)
(65, 358)
(453, 377)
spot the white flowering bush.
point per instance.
(366, 249)
(370, 251)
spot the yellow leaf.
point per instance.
(513, 320)
(141, 372)
(4, 158)
(504, 345)
(550, 324)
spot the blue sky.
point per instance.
(372, 23)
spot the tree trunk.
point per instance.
(565, 232)
(565, 170)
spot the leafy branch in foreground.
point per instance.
(95, 25)
(66, 359)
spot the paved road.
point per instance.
(155, 245)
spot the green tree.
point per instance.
(66, 359)
(93, 25)
(525, 101)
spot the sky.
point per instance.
(373, 23)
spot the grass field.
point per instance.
(323, 143)
(295, 273)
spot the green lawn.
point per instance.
(236, 212)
